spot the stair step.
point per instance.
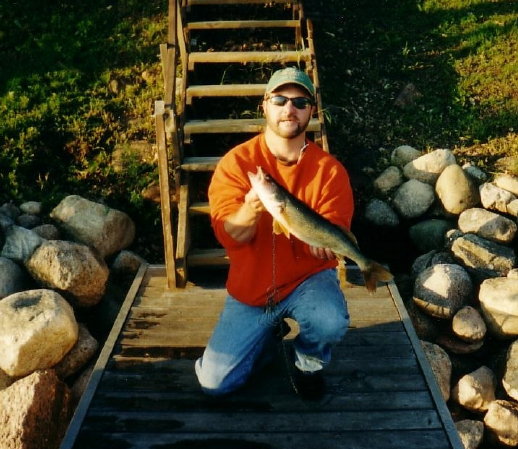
(212, 57)
(237, 24)
(199, 208)
(236, 2)
(204, 257)
(207, 163)
(224, 90)
(253, 125)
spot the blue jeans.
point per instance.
(244, 332)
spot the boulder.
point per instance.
(31, 207)
(507, 182)
(468, 325)
(510, 379)
(471, 433)
(127, 262)
(37, 328)
(380, 213)
(454, 345)
(501, 420)
(455, 190)
(430, 259)
(71, 268)
(476, 390)
(47, 232)
(488, 225)
(105, 229)
(428, 167)
(475, 173)
(413, 198)
(34, 412)
(483, 258)
(512, 208)
(389, 179)
(442, 290)
(441, 366)
(494, 198)
(499, 305)
(28, 221)
(12, 277)
(428, 235)
(20, 243)
(5, 380)
(80, 354)
(404, 154)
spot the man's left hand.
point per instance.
(322, 253)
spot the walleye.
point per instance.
(292, 216)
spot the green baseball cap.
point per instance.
(290, 75)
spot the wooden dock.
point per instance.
(143, 393)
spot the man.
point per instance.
(272, 276)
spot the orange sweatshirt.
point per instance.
(272, 264)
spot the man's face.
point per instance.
(287, 121)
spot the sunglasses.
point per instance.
(298, 102)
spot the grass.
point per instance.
(78, 82)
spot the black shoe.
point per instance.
(309, 385)
(281, 330)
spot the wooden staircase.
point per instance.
(216, 63)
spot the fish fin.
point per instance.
(350, 236)
(373, 273)
(278, 228)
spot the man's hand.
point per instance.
(322, 253)
(242, 225)
(253, 202)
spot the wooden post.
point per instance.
(165, 194)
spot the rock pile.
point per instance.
(463, 295)
(50, 274)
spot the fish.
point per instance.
(292, 216)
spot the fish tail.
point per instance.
(373, 273)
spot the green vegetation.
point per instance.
(78, 82)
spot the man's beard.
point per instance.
(291, 133)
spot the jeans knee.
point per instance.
(215, 382)
(331, 328)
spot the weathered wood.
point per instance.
(224, 90)
(208, 257)
(244, 125)
(239, 24)
(199, 208)
(207, 163)
(412, 439)
(165, 194)
(183, 236)
(232, 57)
(236, 2)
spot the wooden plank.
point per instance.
(199, 208)
(416, 439)
(240, 24)
(165, 194)
(224, 90)
(217, 126)
(232, 57)
(206, 257)
(206, 163)
(236, 2)
(192, 401)
(95, 378)
(183, 236)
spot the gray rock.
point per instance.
(441, 366)
(428, 167)
(413, 198)
(80, 354)
(430, 234)
(475, 173)
(488, 225)
(37, 328)
(31, 207)
(510, 379)
(507, 182)
(35, 412)
(404, 154)
(5, 222)
(28, 221)
(512, 208)
(47, 232)
(71, 268)
(456, 191)
(499, 305)
(483, 258)
(9, 210)
(495, 198)
(471, 433)
(127, 262)
(388, 180)
(468, 325)
(476, 390)
(12, 277)
(501, 420)
(98, 226)
(20, 243)
(429, 259)
(442, 290)
(380, 213)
